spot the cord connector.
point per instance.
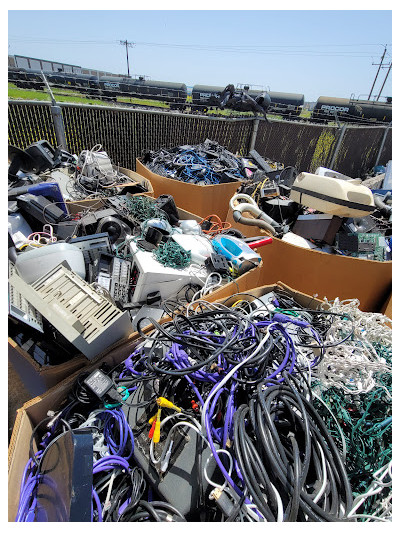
(157, 424)
(163, 402)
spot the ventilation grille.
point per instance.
(20, 308)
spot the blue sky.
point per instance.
(315, 53)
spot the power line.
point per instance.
(254, 49)
(318, 45)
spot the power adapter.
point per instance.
(100, 384)
(217, 263)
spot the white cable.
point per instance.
(196, 426)
(379, 519)
(107, 501)
(216, 485)
(324, 475)
(376, 486)
(208, 287)
(212, 306)
(279, 503)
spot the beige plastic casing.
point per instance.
(337, 193)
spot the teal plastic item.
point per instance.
(235, 250)
(379, 169)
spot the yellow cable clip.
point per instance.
(156, 434)
(163, 402)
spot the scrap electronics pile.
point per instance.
(251, 410)
(207, 163)
(80, 282)
(327, 211)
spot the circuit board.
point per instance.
(363, 245)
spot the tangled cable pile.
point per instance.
(95, 176)
(207, 163)
(242, 383)
(355, 381)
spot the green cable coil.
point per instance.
(142, 208)
(171, 254)
(366, 423)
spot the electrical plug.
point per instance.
(163, 402)
(195, 406)
(157, 424)
(153, 427)
(280, 317)
(152, 419)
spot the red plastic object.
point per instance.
(258, 244)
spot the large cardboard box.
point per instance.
(36, 409)
(387, 306)
(315, 272)
(305, 300)
(203, 200)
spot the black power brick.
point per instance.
(217, 263)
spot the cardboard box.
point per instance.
(387, 306)
(36, 409)
(38, 378)
(203, 200)
(315, 272)
(305, 300)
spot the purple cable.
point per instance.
(228, 415)
(216, 456)
(96, 498)
(179, 358)
(110, 462)
(26, 495)
(110, 417)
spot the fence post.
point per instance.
(338, 145)
(254, 134)
(382, 144)
(57, 117)
(59, 126)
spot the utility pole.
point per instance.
(127, 45)
(384, 81)
(379, 68)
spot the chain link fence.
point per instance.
(29, 122)
(304, 146)
(359, 150)
(128, 133)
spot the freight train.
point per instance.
(204, 97)
(351, 110)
